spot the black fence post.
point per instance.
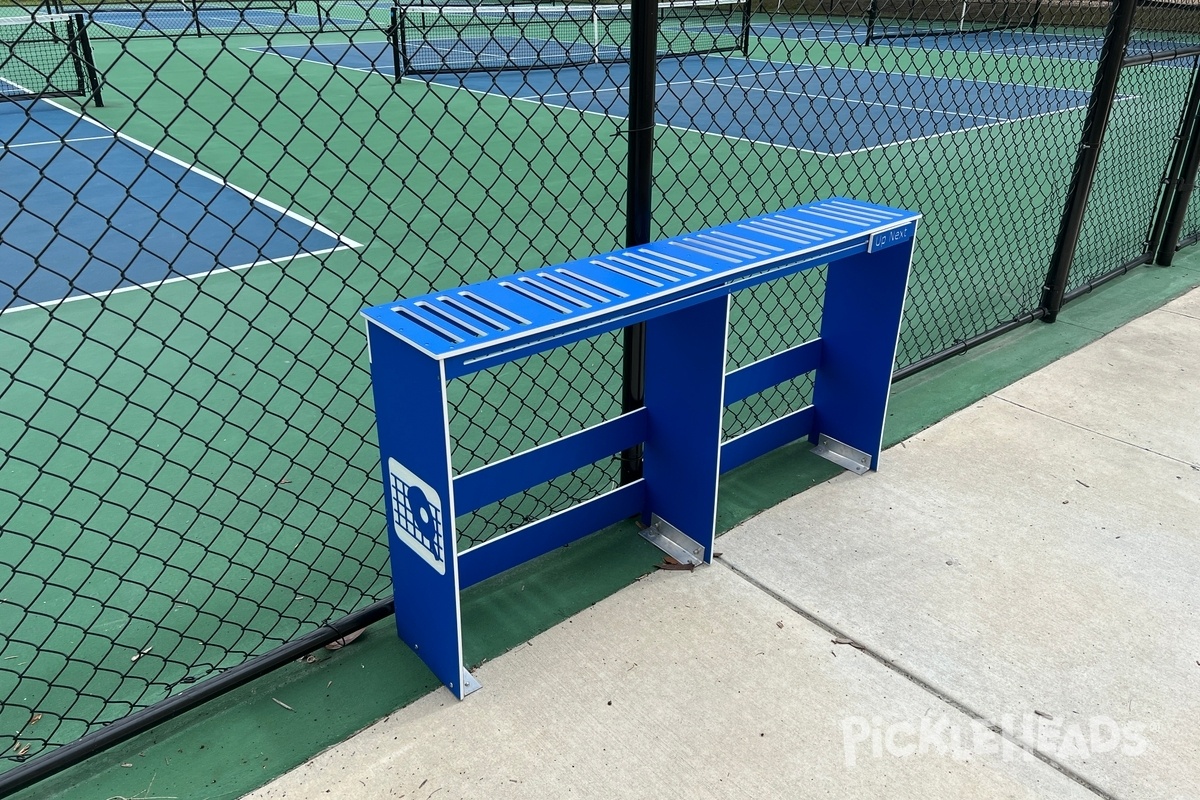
(643, 65)
(1108, 72)
(1175, 169)
(1184, 186)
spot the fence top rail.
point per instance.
(541, 308)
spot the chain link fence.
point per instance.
(189, 476)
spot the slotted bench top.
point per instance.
(517, 312)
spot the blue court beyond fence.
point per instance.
(100, 212)
(837, 111)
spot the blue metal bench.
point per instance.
(680, 288)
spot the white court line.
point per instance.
(118, 25)
(197, 276)
(349, 22)
(1032, 49)
(847, 39)
(683, 129)
(346, 242)
(798, 68)
(541, 101)
(55, 141)
(717, 81)
(276, 18)
(802, 34)
(962, 130)
(786, 93)
(1075, 42)
(899, 106)
(734, 81)
(254, 198)
(930, 76)
(660, 84)
(374, 70)
(182, 21)
(827, 153)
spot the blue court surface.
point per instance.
(810, 31)
(1050, 43)
(824, 110)
(85, 211)
(1058, 45)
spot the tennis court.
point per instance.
(191, 477)
(1071, 45)
(712, 95)
(101, 212)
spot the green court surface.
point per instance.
(195, 470)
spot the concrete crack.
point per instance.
(953, 702)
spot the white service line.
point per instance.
(153, 284)
(346, 242)
(59, 142)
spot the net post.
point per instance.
(396, 38)
(1108, 72)
(747, 16)
(85, 64)
(643, 64)
(74, 29)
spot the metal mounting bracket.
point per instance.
(469, 683)
(673, 542)
(843, 455)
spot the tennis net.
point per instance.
(46, 55)
(489, 37)
(914, 19)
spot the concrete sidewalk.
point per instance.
(1009, 609)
